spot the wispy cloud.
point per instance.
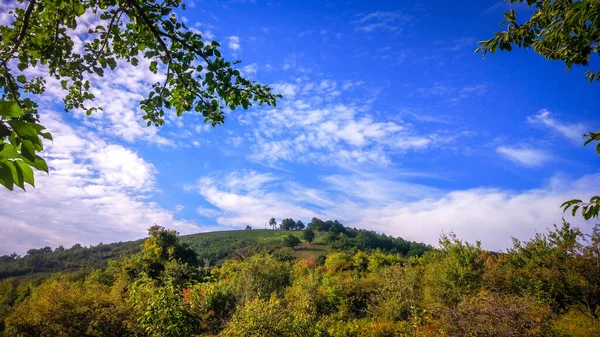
(458, 44)
(453, 93)
(250, 69)
(118, 93)
(244, 198)
(524, 156)
(315, 123)
(234, 43)
(572, 131)
(382, 21)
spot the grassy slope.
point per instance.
(213, 246)
(218, 245)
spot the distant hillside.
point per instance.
(212, 248)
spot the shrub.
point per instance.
(291, 241)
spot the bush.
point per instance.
(260, 317)
(64, 309)
(489, 314)
(291, 241)
(308, 235)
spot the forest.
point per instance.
(371, 285)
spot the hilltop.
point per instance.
(212, 249)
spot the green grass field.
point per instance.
(215, 246)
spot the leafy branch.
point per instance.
(591, 209)
(198, 79)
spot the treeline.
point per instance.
(60, 259)
(341, 238)
(548, 286)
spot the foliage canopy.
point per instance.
(197, 77)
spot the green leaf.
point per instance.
(26, 171)
(10, 109)
(79, 9)
(8, 151)
(28, 149)
(46, 135)
(23, 129)
(17, 175)
(38, 163)
(6, 175)
(22, 78)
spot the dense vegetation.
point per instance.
(547, 286)
(211, 248)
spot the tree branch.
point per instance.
(155, 32)
(19, 38)
(118, 13)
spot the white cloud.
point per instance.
(382, 21)
(242, 198)
(250, 69)
(208, 212)
(413, 211)
(572, 131)
(453, 94)
(490, 215)
(234, 43)
(524, 156)
(95, 192)
(118, 93)
(315, 122)
(122, 167)
(5, 7)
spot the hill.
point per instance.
(212, 248)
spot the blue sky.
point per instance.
(389, 122)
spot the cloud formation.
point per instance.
(96, 192)
(382, 21)
(412, 211)
(524, 156)
(573, 131)
(234, 43)
(315, 124)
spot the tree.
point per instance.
(161, 310)
(300, 225)
(248, 228)
(317, 224)
(197, 77)
(273, 223)
(287, 224)
(336, 227)
(162, 252)
(308, 235)
(563, 30)
(291, 241)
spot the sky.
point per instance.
(388, 122)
